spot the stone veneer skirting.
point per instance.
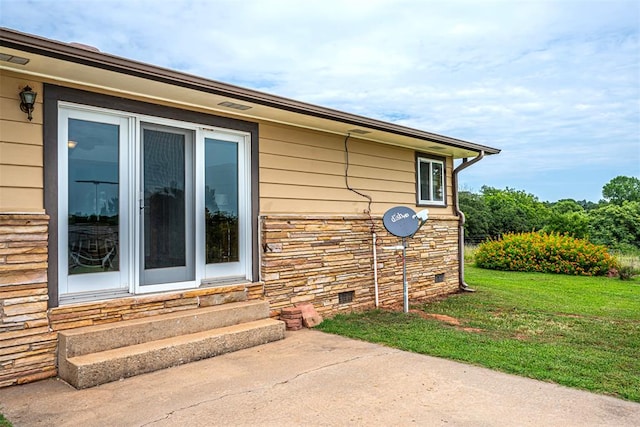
(313, 259)
(95, 313)
(309, 259)
(27, 344)
(28, 330)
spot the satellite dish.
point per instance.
(401, 221)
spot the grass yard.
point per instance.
(582, 332)
(4, 422)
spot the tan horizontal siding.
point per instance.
(304, 172)
(12, 84)
(10, 110)
(292, 191)
(21, 156)
(20, 132)
(21, 176)
(448, 182)
(275, 176)
(330, 141)
(20, 199)
(295, 150)
(273, 161)
(323, 207)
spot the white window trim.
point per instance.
(131, 275)
(105, 281)
(420, 160)
(244, 268)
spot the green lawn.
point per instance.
(581, 332)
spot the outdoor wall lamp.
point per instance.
(27, 99)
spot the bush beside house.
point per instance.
(545, 253)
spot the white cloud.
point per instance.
(555, 84)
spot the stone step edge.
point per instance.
(158, 318)
(131, 352)
(82, 341)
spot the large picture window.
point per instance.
(430, 180)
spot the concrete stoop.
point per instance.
(99, 354)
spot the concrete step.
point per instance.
(93, 339)
(111, 365)
(98, 354)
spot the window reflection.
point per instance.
(438, 190)
(221, 201)
(93, 187)
(425, 181)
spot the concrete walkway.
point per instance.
(311, 378)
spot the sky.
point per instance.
(554, 84)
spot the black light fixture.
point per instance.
(27, 99)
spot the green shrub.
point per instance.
(545, 253)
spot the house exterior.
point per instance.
(137, 190)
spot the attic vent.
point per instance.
(346, 297)
(437, 147)
(13, 59)
(233, 105)
(359, 131)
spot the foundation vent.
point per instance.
(440, 278)
(346, 297)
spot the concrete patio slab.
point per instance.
(311, 378)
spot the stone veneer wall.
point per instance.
(305, 259)
(314, 258)
(27, 343)
(134, 307)
(28, 330)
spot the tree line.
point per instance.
(614, 221)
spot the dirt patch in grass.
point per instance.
(445, 319)
(440, 317)
(449, 320)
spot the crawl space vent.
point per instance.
(346, 297)
(440, 278)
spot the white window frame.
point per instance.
(130, 264)
(106, 281)
(422, 161)
(242, 268)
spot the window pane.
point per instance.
(221, 201)
(438, 182)
(425, 180)
(93, 197)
